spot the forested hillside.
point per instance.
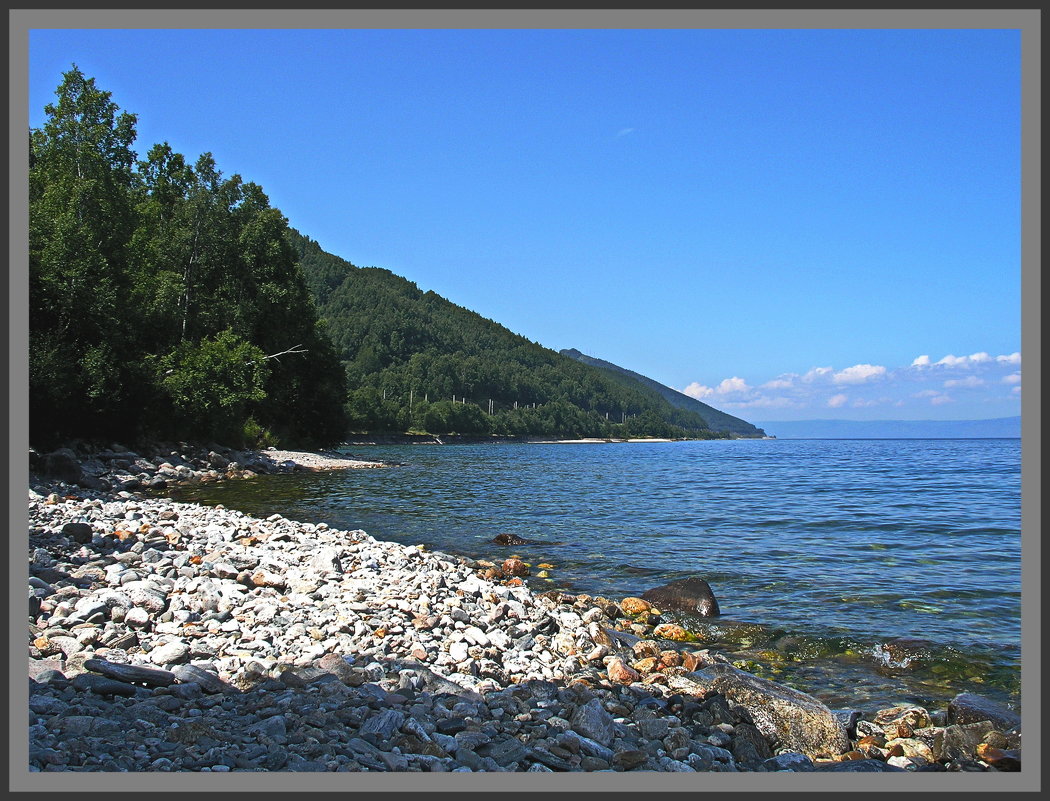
(716, 419)
(417, 361)
(164, 298)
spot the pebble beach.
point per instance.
(169, 636)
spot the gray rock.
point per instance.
(274, 727)
(104, 686)
(134, 674)
(593, 721)
(326, 562)
(749, 747)
(169, 653)
(384, 724)
(78, 532)
(960, 740)
(789, 760)
(972, 708)
(859, 766)
(790, 719)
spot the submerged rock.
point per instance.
(509, 539)
(691, 595)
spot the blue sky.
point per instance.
(787, 224)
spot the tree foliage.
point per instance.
(158, 290)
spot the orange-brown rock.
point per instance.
(670, 631)
(515, 567)
(899, 730)
(264, 578)
(634, 606)
(670, 658)
(849, 756)
(999, 758)
(691, 660)
(44, 645)
(620, 673)
(646, 665)
(644, 648)
(514, 582)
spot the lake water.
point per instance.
(866, 572)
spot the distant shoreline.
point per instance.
(474, 439)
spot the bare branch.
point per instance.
(293, 349)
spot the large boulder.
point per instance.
(64, 465)
(972, 708)
(792, 720)
(691, 595)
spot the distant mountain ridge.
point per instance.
(716, 420)
(1008, 427)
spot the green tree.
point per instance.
(81, 179)
(214, 385)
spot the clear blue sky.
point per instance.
(787, 224)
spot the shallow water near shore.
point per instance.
(866, 572)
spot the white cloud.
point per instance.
(1013, 378)
(815, 373)
(969, 381)
(732, 385)
(835, 401)
(926, 393)
(1016, 390)
(940, 400)
(861, 403)
(728, 386)
(978, 358)
(921, 361)
(624, 132)
(697, 390)
(858, 374)
(785, 381)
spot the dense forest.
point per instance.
(170, 301)
(416, 361)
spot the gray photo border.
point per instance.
(20, 21)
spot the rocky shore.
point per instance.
(167, 636)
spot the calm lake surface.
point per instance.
(865, 572)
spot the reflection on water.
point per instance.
(849, 543)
